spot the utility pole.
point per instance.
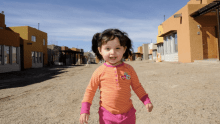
(164, 17)
(38, 25)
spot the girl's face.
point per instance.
(112, 52)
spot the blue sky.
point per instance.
(73, 23)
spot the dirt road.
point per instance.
(181, 93)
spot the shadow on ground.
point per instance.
(31, 76)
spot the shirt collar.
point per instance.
(114, 66)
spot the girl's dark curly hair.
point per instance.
(107, 35)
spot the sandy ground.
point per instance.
(181, 94)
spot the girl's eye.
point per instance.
(117, 48)
(107, 48)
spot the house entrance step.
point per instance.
(214, 61)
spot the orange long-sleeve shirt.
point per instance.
(114, 84)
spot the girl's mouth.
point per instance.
(112, 58)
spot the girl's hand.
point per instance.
(149, 107)
(84, 118)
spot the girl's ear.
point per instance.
(99, 49)
(125, 49)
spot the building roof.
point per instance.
(164, 34)
(159, 43)
(69, 51)
(210, 7)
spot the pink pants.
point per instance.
(105, 117)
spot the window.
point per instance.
(169, 46)
(43, 41)
(33, 38)
(32, 54)
(14, 55)
(40, 57)
(7, 55)
(176, 43)
(36, 57)
(1, 28)
(0, 54)
(165, 45)
(154, 53)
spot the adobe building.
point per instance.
(191, 33)
(71, 56)
(9, 48)
(139, 53)
(53, 54)
(152, 51)
(33, 46)
(145, 50)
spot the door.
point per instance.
(22, 57)
(209, 42)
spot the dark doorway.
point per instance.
(22, 57)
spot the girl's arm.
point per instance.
(138, 88)
(90, 92)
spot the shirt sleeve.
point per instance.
(138, 88)
(90, 92)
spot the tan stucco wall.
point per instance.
(2, 20)
(200, 1)
(9, 38)
(182, 27)
(207, 1)
(196, 41)
(22, 30)
(38, 45)
(140, 49)
(190, 44)
(160, 31)
(196, 44)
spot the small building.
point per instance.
(139, 53)
(54, 54)
(91, 57)
(71, 56)
(9, 48)
(79, 56)
(145, 50)
(152, 51)
(33, 45)
(191, 33)
(131, 57)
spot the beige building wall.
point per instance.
(160, 31)
(140, 49)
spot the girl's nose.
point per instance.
(112, 51)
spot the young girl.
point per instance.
(114, 79)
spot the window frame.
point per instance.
(175, 42)
(39, 55)
(14, 61)
(36, 57)
(7, 58)
(165, 39)
(33, 56)
(44, 42)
